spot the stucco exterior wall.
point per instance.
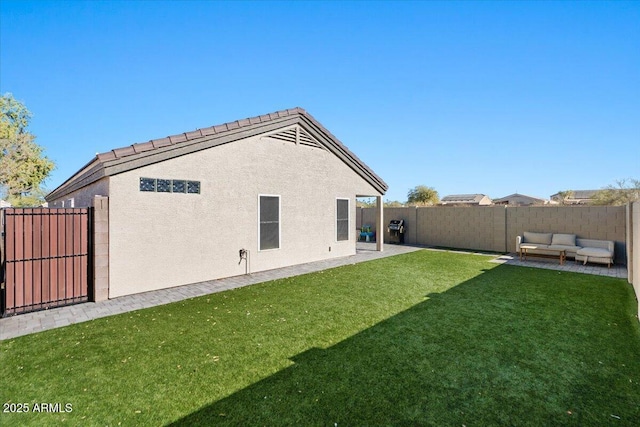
(160, 240)
(83, 198)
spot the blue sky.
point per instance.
(465, 97)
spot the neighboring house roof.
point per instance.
(577, 196)
(309, 132)
(517, 198)
(465, 199)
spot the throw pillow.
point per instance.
(564, 239)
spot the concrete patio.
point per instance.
(617, 271)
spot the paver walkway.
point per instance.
(29, 323)
(617, 271)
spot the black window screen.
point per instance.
(342, 216)
(269, 222)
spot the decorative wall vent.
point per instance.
(305, 139)
(296, 135)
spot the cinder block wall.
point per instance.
(367, 216)
(479, 228)
(494, 228)
(589, 222)
(410, 217)
(634, 222)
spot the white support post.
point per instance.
(379, 224)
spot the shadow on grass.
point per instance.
(505, 348)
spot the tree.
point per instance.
(564, 196)
(23, 165)
(392, 204)
(422, 195)
(624, 191)
(369, 202)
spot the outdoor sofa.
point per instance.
(586, 250)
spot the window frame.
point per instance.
(260, 249)
(348, 220)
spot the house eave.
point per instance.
(139, 155)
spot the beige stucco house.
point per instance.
(465, 200)
(517, 199)
(571, 197)
(180, 209)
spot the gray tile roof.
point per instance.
(579, 194)
(514, 195)
(196, 134)
(134, 156)
(584, 194)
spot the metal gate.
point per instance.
(45, 257)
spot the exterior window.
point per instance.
(163, 185)
(342, 219)
(147, 184)
(169, 185)
(193, 187)
(269, 222)
(179, 186)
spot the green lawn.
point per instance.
(426, 338)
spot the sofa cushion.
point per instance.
(590, 243)
(594, 252)
(566, 248)
(542, 238)
(533, 246)
(564, 239)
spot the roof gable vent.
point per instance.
(296, 135)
